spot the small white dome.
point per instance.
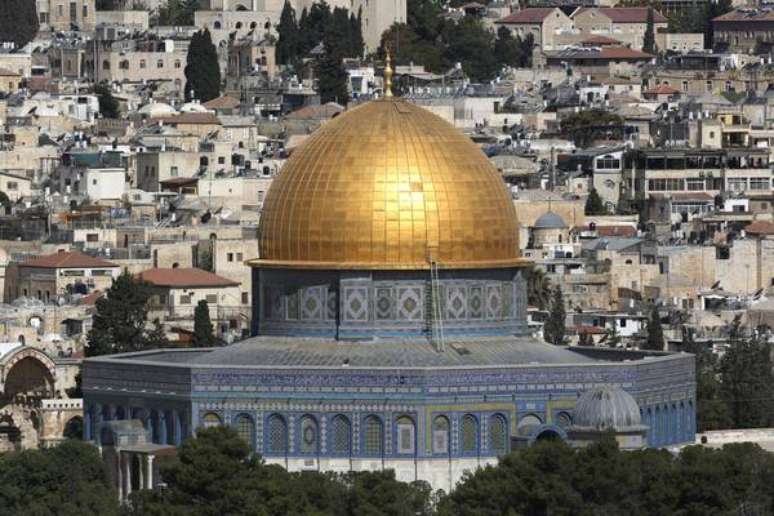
(193, 107)
(157, 110)
(607, 408)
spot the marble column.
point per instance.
(149, 475)
(128, 474)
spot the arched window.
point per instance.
(253, 25)
(498, 434)
(245, 428)
(216, 25)
(238, 25)
(124, 64)
(563, 419)
(106, 65)
(142, 63)
(406, 434)
(374, 436)
(309, 435)
(211, 419)
(441, 434)
(341, 435)
(469, 434)
(277, 435)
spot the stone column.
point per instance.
(149, 479)
(140, 473)
(87, 416)
(178, 428)
(119, 475)
(128, 474)
(162, 422)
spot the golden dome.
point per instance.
(385, 186)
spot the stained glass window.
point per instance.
(211, 419)
(340, 435)
(246, 429)
(440, 435)
(469, 434)
(498, 434)
(374, 436)
(278, 434)
(405, 427)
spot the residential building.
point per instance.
(543, 23)
(66, 272)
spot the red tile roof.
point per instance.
(623, 53)
(91, 299)
(662, 89)
(600, 40)
(747, 16)
(760, 227)
(588, 330)
(224, 102)
(181, 278)
(616, 231)
(529, 15)
(67, 260)
(626, 14)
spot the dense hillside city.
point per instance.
(388, 257)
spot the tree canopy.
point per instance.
(553, 478)
(67, 480)
(430, 39)
(588, 125)
(108, 105)
(202, 70)
(204, 333)
(120, 322)
(177, 13)
(649, 40)
(217, 473)
(554, 328)
(18, 21)
(655, 332)
(594, 204)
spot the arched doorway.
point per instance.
(10, 434)
(548, 435)
(28, 380)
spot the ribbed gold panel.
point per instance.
(387, 185)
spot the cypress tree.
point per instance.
(332, 78)
(108, 105)
(204, 332)
(594, 204)
(288, 43)
(554, 327)
(202, 71)
(358, 44)
(649, 41)
(18, 21)
(655, 340)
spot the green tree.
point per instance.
(177, 12)
(66, 480)
(554, 328)
(18, 21)
(356, 24)
(471, 43)
(746, 379)
(202, 71)
(332, 78)
(649, 40)
(507, 49)
(587, 125)
(594, 204)
(711, 410)
(655, 335)
(538, 288)
(108, 105)
(288, 45)
(313, 26)
(119, 324)
(204, 333)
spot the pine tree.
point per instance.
(594, 204)
(554, 328)
(358, 44)
(18, 21)
(108, 105)
(655, 341)
(289, 40)
(507, 50)
(119, 324)
(649, 41)
(613, 338)
(204, 336)
(332, 78)
(202, 71)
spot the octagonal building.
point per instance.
(390, 322)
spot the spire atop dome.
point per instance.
(388, 76)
